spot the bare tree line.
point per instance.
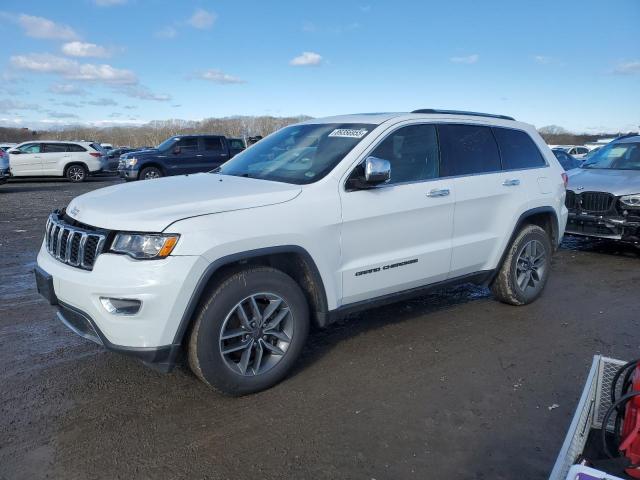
(153, 133)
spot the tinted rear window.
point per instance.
(517, 149)
(467, 149)
(72, 147)
(54, 147)
(212, 143)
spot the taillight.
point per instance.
(95, 154)
(1, 153)
(565, 179)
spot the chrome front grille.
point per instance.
(72, 245)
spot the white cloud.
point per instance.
(66, 89)
(7, 104)
(102, 102)
(54, 114)
(202, 19)
(109, 3)
(73, 70)
(83, 49)
(467, 60)
(39, 27)
(218, 76)
(166, 32)
(307, 58)
(542, 59)
(142, 92)
(627, 68)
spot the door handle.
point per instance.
(199, 155)
(224, 154)
(438, 192)
(511, 182)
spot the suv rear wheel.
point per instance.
(249, 333)
(76, 173)
(149, 173)
(525, 269)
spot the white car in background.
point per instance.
(576, 151)
(44, 158)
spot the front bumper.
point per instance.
(163, 286)
(603, 226)
(4, 175)
(128, 173)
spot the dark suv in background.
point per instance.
(179, 155)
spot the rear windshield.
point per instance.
(97, 147)
(298, 154)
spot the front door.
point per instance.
(398, 236)
(28, 162)
(183, 158)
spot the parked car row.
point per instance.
(77, 160)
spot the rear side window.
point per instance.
(517, 149)
(467, 149)
(212, 143)
(237, 144)
(54, 147)
(72, 147)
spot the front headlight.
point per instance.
(632, 201)
(131, 161)
(144, 246)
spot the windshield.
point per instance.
(298, 154)
(616, 156)
(166, 145)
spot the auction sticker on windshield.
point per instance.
(348, 133)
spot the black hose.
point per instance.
(616, 377)
(605, 420)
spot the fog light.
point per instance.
(121, 306)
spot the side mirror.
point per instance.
(176, 150)
(14, 152)
(376, 170)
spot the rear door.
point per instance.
(398, 236)
(487, 199)
(28, 162)
(214, 152)
(54, 156)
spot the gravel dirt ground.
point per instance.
(451, 385)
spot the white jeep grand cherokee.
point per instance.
(317, 220)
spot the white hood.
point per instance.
(152, 205)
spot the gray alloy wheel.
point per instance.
(76, 173)
(525, 268)
(531, 266)
(256, 334)
(150, 173)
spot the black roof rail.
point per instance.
(461, 112)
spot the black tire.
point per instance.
(507, 285)
(76, 173)
(149, 173)
(205, 350)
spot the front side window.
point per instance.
(30, 148)
(517, 149)
(412, 152)
(467, 149)
(299, 154)
(616, 156)
(188, 143)
(54, 147)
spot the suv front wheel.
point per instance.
(249, 332)
(525, 269)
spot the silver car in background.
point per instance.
(603, 195)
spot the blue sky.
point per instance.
(566, 62)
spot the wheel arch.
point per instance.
(293, 260)
(545, 217)
(152, 163)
